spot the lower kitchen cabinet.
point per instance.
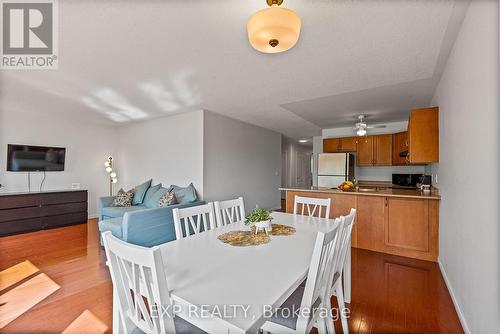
(369, 224)
(399, 226)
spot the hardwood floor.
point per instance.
(390, 294)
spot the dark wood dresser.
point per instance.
(32, 211)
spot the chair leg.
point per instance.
(330, 325)
(341, 302)
(320, 323)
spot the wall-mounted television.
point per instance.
(26, 158)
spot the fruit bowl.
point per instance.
(347, 186)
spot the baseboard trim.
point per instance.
(461, 316)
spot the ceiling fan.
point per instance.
(361, 126)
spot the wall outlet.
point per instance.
(75, 186)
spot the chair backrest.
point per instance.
(345, 239)
(315, 203)
(228, 212)
(139, 282)
(325, 254)
(193, 220)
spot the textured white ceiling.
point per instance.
(121, 61)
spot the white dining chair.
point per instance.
(315, 203)
(228, 212)
(193, 220)
(312, 299)
(337, 289)
(142, 295)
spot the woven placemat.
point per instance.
(249, 238)
(244, 238)
(279, 229)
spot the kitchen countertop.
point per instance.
(380, 190)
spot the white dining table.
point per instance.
(228, 289)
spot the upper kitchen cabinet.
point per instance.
(365, 151)
(423, 136)
(399, 145)
(335, 145)
(348, 144)
(331, 145)
(382, 150)
(374, 151)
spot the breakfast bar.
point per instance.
(391, 220)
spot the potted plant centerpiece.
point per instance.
(261, 219)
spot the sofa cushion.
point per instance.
(153, 200)
(119, 211)
(184, 194)
(150, 192)
(123, 198)
(167, 199)
(114, 225)
(140, 192)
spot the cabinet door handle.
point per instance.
(386, 202)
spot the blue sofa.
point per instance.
(139, 224)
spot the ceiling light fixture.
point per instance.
(273, 29)
(361, 132)
(361, 127)
(303, 140)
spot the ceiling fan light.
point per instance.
(361, 132)
(273, 29)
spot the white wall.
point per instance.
(167, 149)
(87, 146)
(469, 169)
(241, 160)
(385, 173)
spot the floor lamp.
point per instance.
(111, 174)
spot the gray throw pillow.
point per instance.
(167, 199)
(124, 198)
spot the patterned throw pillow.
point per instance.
(167, 199)
(124, 198)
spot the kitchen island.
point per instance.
(396, 221)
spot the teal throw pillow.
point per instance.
(140, 191)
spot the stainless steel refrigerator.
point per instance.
(335, 168)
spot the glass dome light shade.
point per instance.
(113, 175)
(109, 169)
(114, 180)
(361, 132)
(107, 164)
(273, 29)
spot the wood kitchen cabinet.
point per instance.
(399, 226)
(339, 145)
(370, 218)
(348, 144)
(375, 151)
(399, 144)
(403, 226)
(365, 151)
(331, 145)
(411, 228)
(423, 136)
(382, 147)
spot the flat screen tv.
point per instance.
(25, 158)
